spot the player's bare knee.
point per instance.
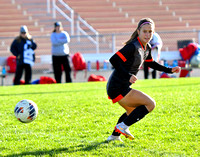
(151, 105)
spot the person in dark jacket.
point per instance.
(127, 62)
(22, 47)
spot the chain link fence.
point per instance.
(108, 44)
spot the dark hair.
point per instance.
(60, 29)
(58, 24)
(140, 24)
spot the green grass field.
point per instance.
(76, 119)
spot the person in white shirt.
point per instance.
(156, 45)
(60, 53)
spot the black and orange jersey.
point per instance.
(127, 62)
(129, 59)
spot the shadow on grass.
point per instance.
(85, 89)
(49, 92)
(40, 152)
(70, 149)
(53, 92)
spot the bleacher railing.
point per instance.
(69, 18)
(94, 40)
(81, 24)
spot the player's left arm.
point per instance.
(159, 67)
(154, 65)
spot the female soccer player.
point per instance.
(127, 62)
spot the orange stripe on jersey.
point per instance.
(121, 56)
(141, 43)
(149, 60)
(119, 97)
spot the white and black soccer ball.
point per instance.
(26, 111)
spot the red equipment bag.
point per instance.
(11, 64)
(164, 75)
(188, 51)
(93, 77)
(46, 80)
(78, 63)
(184, 73)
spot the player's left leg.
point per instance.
(143, 103)
(115, 135)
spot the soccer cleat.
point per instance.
(114, 138)
(124, 131)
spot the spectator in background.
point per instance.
(22, 47)
(156, 45)
(60, 53)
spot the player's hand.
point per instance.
(176, 69)
(132, 79)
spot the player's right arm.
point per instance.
(119, 59)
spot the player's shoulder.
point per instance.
(128, 47)
(133, 44)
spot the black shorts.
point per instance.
(117, 88)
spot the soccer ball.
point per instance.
(26, 111)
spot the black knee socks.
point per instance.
(137, 114)
(119, 121)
